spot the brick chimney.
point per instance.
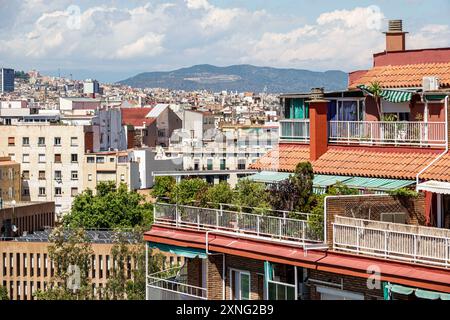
(395, 36)
(318, 131)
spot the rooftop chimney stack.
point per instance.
(395, 36)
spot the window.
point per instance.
(74, 192)
(11, 141)
(90, 160)
(111, 159)
(241, 164)
(41, 141)
(58, 191)
(26, 175)
(210, 164)
(240, 285)
(74, 157)
(12, 156)
(74, 141)
(25, 158)
(41, 158)
(122, 177)
(74, 175)
(41, 175)
(222, 164)
(26, 192)
(100, 159)
(161, 133)
(89, 177)
(42, 191)
(58, 175)
(57, 141)
(25, 141)
(57, 158)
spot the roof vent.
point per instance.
(395, 26)
(317, 93)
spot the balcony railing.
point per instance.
(425, 134)
(264, 226)
(392, 240)
(171, 285)
(294, 130)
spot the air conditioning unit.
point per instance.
(430, 83)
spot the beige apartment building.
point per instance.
(50, 157)
(25, 265)
(110, 166)
(10, 179)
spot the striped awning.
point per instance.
(395, 96)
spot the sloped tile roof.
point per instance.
(136, 116)
(405, 76)
(440, 170)
(394, 163)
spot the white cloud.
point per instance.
(115, 35)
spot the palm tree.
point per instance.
(376, 90)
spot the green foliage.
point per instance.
(21, 75)
(109, 208)
(404, 192)
(219, 193)
(376, 89)
(163, 187)
(340, 189)
(69, 248)
(3, 293)
(188, 190)
(251, 194)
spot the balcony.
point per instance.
(172, 284)
(392, 241)
(268, 226)
(399, 133)
(294, 130)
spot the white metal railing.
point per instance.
(281, 290)
(294, 129)
(412, 133)
(283, 228)
(170, 285)
(392, 240)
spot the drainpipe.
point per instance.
(446, 143)
(223, 262)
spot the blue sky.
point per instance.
(111, 40)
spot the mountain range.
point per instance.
(240, 78)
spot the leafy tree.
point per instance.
(188, 190)
(110, 208)
(296, 192)
(71, 252)
(163, 187)
(3, 293)
(219, 193)
(251, 194)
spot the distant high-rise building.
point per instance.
(91, 87)
(6, 80)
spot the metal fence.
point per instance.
(284, 228)
(388, 132)
(294, 129)
(391, 240)
(171, 285)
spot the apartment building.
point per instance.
(10, 179)
(6, 80)
(369, 246)
(110, 166)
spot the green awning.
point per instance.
(179, 251)
(435, 97)
(419, 293)
(321, 182)
(396, 96)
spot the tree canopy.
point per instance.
(110, 208)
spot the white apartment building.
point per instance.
(50, 158)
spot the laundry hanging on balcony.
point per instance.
(395, 96)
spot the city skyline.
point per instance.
(112, 40)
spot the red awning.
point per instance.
(427, 277)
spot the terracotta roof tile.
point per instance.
(403, 76)
(440, 170)
(352, 161)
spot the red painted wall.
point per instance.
(412, 57)
(318, 129)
